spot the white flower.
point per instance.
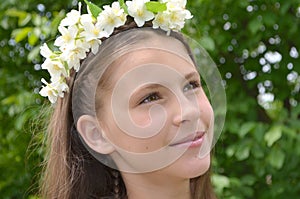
(72, 17)
(95, 45)
(178, 19)
(112, 17)
(188, 14)
(175, 4)
(61, 87)
(92, 34)
(67, 38)
(45, 51)
(48, 91)
(83, 33)
(74, 55)
(174, 17)
(161, 21)
(87, 18)
(177, 7)
(137, 9)
(54, 90)
(55, 68)
(91, 38)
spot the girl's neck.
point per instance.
(149, 186)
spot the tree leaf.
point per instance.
(220, 182)
(273, 135)
(285, 7)
(246, 128)
(95, 10)
(56, 21)
(269, 18)
(33, 53)
(24, 19)
(230, 151)
(257, 151)
(242, 152)
(208, 43)
(254, 26)
(32, 39)
(21, 34)
(15, 13)
(276, 158)
(156, 7)
(20, 121)
(248, 180)
(123, 5)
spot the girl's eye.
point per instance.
(150, 98)
(191, 85)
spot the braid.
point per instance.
(116, 188)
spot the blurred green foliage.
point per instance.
(256, 46)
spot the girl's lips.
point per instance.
(190, 141)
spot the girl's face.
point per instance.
(157, 115)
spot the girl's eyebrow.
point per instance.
(190, 75)
(156, 85)
(151, 86)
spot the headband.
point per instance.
(83, 33)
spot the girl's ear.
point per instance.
(93, 135)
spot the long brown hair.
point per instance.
(71, 171)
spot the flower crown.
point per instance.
(82, 33)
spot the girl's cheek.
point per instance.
(208, 113)
(140, 118)
(149, 123)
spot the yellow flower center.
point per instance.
(56, 67)
(50, 92)
(67, 38)
(96, 31)
(160, 19)
(140, 13)
(174, 17)
(76, 51)
(122, 17)
(111, 20)
(115, 11)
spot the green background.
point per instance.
(255, 45)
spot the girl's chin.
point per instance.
(200, 169)
(187, 167)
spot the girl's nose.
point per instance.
(188, 110)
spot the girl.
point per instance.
(131, 119)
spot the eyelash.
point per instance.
(153, 94)
(157, 96)
(195, 85)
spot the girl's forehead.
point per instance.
(177, 60)
(160, 49)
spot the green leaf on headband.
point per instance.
(95, 10)
(123, 5)
(155, 7)
(66, 66)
